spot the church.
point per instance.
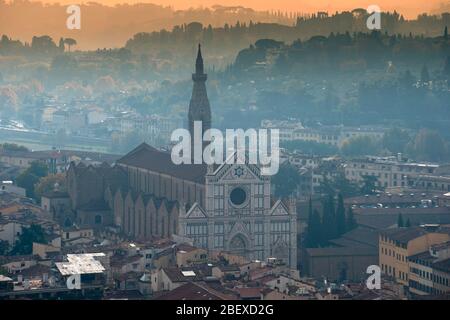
(220, 207)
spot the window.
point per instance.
(218, 228)
(199, 233)
(218, 191)
(218, 204)
(260, 189)
(259, 202)
(218, 241)
(259, 240)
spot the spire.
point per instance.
(199, 108)
(199, 61)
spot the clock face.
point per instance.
(238, 196)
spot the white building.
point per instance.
(240, 218)
(389, 171)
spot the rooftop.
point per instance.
(193, 291)
(404, 235)
(149, 158)
(81, 264)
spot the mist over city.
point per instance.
(108, 111)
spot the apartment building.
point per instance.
(389, 171)
(429, 271)
(396, 246)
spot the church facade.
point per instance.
(221, 208)
(239, 217)
(236, 213)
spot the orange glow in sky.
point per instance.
(410, 8)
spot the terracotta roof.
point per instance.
(360, 236)
(176, 275)
(404, 235)
(193, 291)
(249, 293)
(149, 158)
(342, 251)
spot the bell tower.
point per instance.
(199, 109)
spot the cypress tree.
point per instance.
(316, 234)
(351, 222)
(408, 223)
(340, 216)
(400, 221)
(328, 220)
(309, 229)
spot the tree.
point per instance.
(61, 45)
(358, 146)
(48, 183)
(13, 147)
(310, 241)
(340, 216)
(70, 42)
(400, 221)
(329, 230)
(286, 180)
(369, 185)
(314, 230)
(30, 177)
(428, 145)
(338, 184)
(4, 247)
(351, 222)
(395, 140)
(24, 244)
(408, 223)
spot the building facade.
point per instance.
(239, 217)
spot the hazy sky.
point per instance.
(408, 7)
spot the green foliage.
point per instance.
(4, 247)
(310, 147)
(328, 220)
(339, 184)
(13, 147)
(359, 146)
(428, 145)
(351, 222)
(340, 216)
(70, 42)
(332, 224)
(30, 177)
(400, 223)
(395, 140)
(286, 180)
(314, 231)
(408, 223)
(47, 184)
(369, 185)
(24, 244)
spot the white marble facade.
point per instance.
(239, 217)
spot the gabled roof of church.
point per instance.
(149, 158)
